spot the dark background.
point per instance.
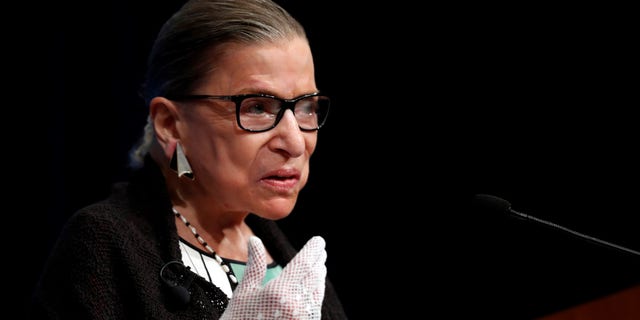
(530, 102)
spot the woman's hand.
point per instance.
(296, 293)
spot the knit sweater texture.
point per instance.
(107, 260)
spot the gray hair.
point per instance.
(181, 56)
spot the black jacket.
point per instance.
(107, 261)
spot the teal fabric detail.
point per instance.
(273, 270)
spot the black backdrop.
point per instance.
(530, 102)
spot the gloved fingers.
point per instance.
(309, 260)
(256, 265)
(297, 293)
(315, 279)
(303, 287)
(314, 282)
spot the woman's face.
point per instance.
(241, 171)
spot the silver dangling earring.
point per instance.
(180, 164)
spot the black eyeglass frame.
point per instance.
(287, 104)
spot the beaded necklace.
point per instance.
(232, 278)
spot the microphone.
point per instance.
(498, 204)
(170, 273)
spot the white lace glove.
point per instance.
(296, 293)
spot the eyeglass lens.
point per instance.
(261, 113)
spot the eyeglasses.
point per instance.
(262, 112)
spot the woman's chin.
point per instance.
(276, 212)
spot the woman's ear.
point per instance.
(163, 113)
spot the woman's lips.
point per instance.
(282, 180)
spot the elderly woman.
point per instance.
(234, 113)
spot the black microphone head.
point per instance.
(181, 294)
(175, 276)
(493, 203)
